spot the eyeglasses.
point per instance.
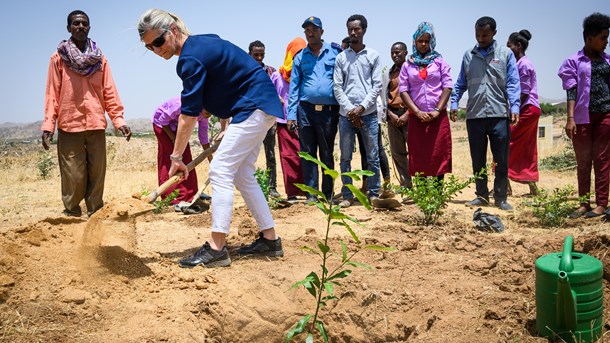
(158, 42)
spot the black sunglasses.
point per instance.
(158, 42)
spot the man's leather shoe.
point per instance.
(503, 205)
(478, 202)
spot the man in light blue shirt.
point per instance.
(358, 82)
(489, 73)
(312, 106)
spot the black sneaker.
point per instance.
(207, 257)
(311, 199)
(263, 247)
(478, 202)
(274, 193)
(503, 205)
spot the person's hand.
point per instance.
(434, 114)
(126, 131)
(422, 116)
(205, 114)
(570, 128)
(218, 137)
(47, 138)
(179, 166)
(393, 119)
(514, 119)
(453, 115)
(292, 125)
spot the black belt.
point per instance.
(320, 108)
(399, 111)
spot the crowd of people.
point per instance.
(322, 89)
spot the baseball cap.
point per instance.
(312, 20)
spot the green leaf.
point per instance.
(311, 250)
(323, 248)
(379, 248)
(315, 279)
(332, 173)
(351, 232)
(331, 297)
(322, 330)
(311, 289)
(329, 288)
(358, 264)
(323, 208)
(302, 282)
(337, 215)
(340, 275)
(310, 158)
(309, 190)
(361, 197)
(299, 328)
(344, 249)
(356, 174)
(309, 338)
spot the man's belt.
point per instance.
(396, 110)
(320, 108)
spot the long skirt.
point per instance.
(429, 146)
(523, 152)
(288, 144)
(187, 188)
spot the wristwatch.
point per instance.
(175, 158)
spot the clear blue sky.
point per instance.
(33, 30)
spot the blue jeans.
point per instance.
(498, 132)
(347, 134)
(317, 132)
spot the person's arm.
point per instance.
(525, 77)
(168, 131)
(376, 83)
(51, 102)
(294, 90)
(447, 86)
(112, 102)
(513, 88)
(338, 80)
(460, 86)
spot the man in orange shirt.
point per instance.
(80, 89)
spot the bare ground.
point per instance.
(113, 277)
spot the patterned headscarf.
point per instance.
(84, 63)
(293, 48)
(416, 58)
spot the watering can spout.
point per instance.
(566, 297)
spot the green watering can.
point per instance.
(569, 295)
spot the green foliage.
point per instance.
(553, 208)
(322, 285)
(555, 110)
(160, 205)
(262, 178)
(431, 195)
(45, 164)
(564, 160)
(213, 126)
(461, 114)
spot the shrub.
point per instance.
(262, 178)
(45, 164)
(160, 205)
(562, 161)
(322, 286)
(553, 208)
(431, 195)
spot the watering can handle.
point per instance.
(566, 264)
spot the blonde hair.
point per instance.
(159, 19)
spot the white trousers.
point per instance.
(234, 164)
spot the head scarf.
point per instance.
(84, 63)
(293, 48)
(416, 57)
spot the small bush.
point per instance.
(45, 164)
(431, 195)
(553, 208)
(562, 161)
(262, 178)
(161, 205)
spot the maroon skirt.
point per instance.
(523, 152)
(429, 145)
